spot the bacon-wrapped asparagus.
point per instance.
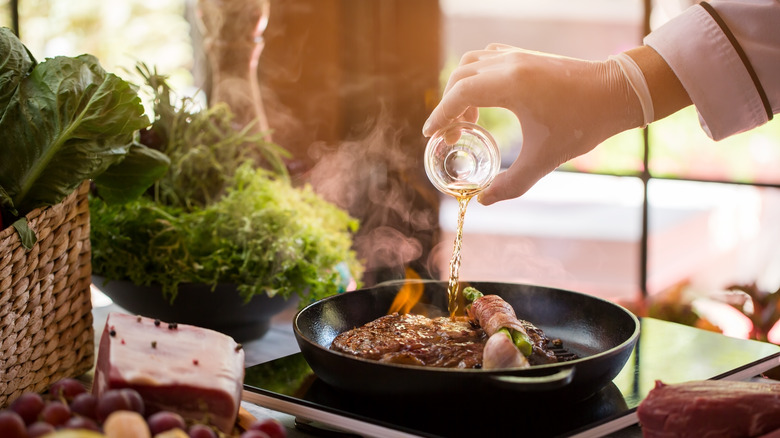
(501, 352)
(497, 317)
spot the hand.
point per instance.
(565, 106)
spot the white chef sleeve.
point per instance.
(727, 56)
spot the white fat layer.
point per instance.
(500, 352)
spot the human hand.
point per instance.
(565, 106)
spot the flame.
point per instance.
(408, 295)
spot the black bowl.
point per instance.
(222, 309)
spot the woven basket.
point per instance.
(45, 302)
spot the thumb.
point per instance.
(511, 183)
(500, 190)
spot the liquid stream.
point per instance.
(463, 195)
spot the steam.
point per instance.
(378, 178)
(374, 170)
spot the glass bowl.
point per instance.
(462, 159)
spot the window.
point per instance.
(582, 228)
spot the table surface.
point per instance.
(278, 342)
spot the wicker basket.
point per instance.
(45, 302)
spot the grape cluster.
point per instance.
(68, 405)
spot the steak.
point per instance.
(435, 342)
(710, 408)
(415, 340)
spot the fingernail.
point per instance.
(426, 127)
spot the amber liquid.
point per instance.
(463, 196)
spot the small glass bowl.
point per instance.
(462, 159)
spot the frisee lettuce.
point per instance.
(264, 235)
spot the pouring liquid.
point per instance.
(461, 159)
(463, 193)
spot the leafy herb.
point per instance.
(204, 144)
(225, 212)
(264, 235)
(64, 121)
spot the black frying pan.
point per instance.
(600, 332)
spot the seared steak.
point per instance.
(435, 342)
(415, 340)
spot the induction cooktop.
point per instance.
(666, 351)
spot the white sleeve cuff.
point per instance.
(711, 71)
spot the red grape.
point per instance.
(136, 401)
(254, 434)
(85, 404)
(119, 400)
(39, 429)
(55, 413)
(67, 388)
(12, 425)
(81, 423)
(202, 431)
(28, 406)
(271, 426)
(165, 420)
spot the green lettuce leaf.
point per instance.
(68, 121)
(16, 62)
(26, 236)
(5, 202)
(142, 166)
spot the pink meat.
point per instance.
(710, 408)
(182, 368)
(493, 313)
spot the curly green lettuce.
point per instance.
(264, 235)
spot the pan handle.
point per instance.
(535, 383)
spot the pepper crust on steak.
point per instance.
(436, 342)
(415, 340)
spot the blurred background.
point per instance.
(663, 220)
